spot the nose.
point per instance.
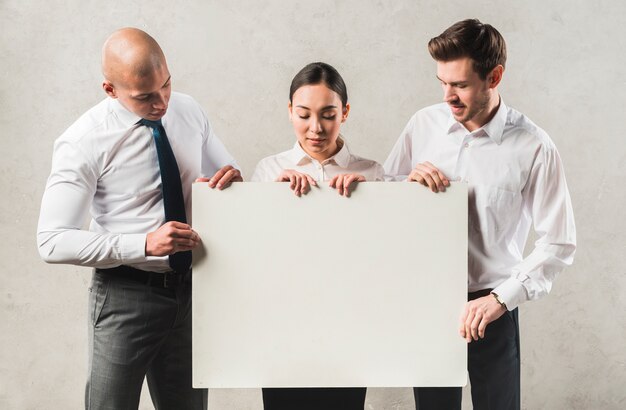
(315, 125)
(448, 93)
(160, 102)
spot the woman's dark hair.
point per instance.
(318, 73)
(470, 38)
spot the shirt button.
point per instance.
(466, 145)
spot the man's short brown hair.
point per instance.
(470, 38)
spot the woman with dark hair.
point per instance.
(318, 105)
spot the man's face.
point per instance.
(146, 96)
(465, 92)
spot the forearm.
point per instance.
(85, 248)
(532, 278)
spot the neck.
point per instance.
(323, 156)
(487, 114)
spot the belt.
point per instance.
(163, 280)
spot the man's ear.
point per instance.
(109, 89)
(495, 76)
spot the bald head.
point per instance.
(135, 73)
(130, 54)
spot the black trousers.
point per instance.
(314, 399)
(493, 364)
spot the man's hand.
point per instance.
(300, 183)
(223, 177)
(428, 175)
(170, 238)
(342, 182)
(477, 315)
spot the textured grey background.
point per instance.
(566, 72)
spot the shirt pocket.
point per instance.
(493, 211)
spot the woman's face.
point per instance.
(316, 113)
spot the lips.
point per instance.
(316, 141)
(456, 108)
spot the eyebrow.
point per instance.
(146, 94)
(328, 107)
(452, 82)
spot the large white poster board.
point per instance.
(330, 291)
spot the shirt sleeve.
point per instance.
(547, 201)
(214, 154)
(65, 210)
(399, 162)
(379, 173)
(263, 172)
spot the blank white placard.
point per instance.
(330, 291)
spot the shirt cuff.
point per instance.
(512, 293)
(133, 247)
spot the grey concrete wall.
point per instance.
(565, 71)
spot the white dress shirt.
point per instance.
(105, 167)
(343, 162)
(515, 179)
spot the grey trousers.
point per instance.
(137, 331)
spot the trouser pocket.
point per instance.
(97, 296)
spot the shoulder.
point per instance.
(89, 134)
(183, 106)
(271, 166)
(430, 116)
(281, 157)
(92, 121)
(356, 160)
(360, 164)
(435, 111)
(522, 127)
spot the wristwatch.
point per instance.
(495, 295)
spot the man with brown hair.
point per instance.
(515, 179)
(128, 163)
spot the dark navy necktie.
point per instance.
(171, 188)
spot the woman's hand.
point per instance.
(342, 182)
(299, 183)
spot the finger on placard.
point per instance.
(225, 181)
(437, 174)
(333, 181)
(443, 178)
(202, 179)
(414, 176)
(296, 185)
(304, 183)
(346, 184)
(432, 185)
(339, 184)
(216, 177)
(292, 182)
(311, 180)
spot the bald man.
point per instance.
(128, 163)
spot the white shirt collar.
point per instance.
(493, 129)
(126, 117)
